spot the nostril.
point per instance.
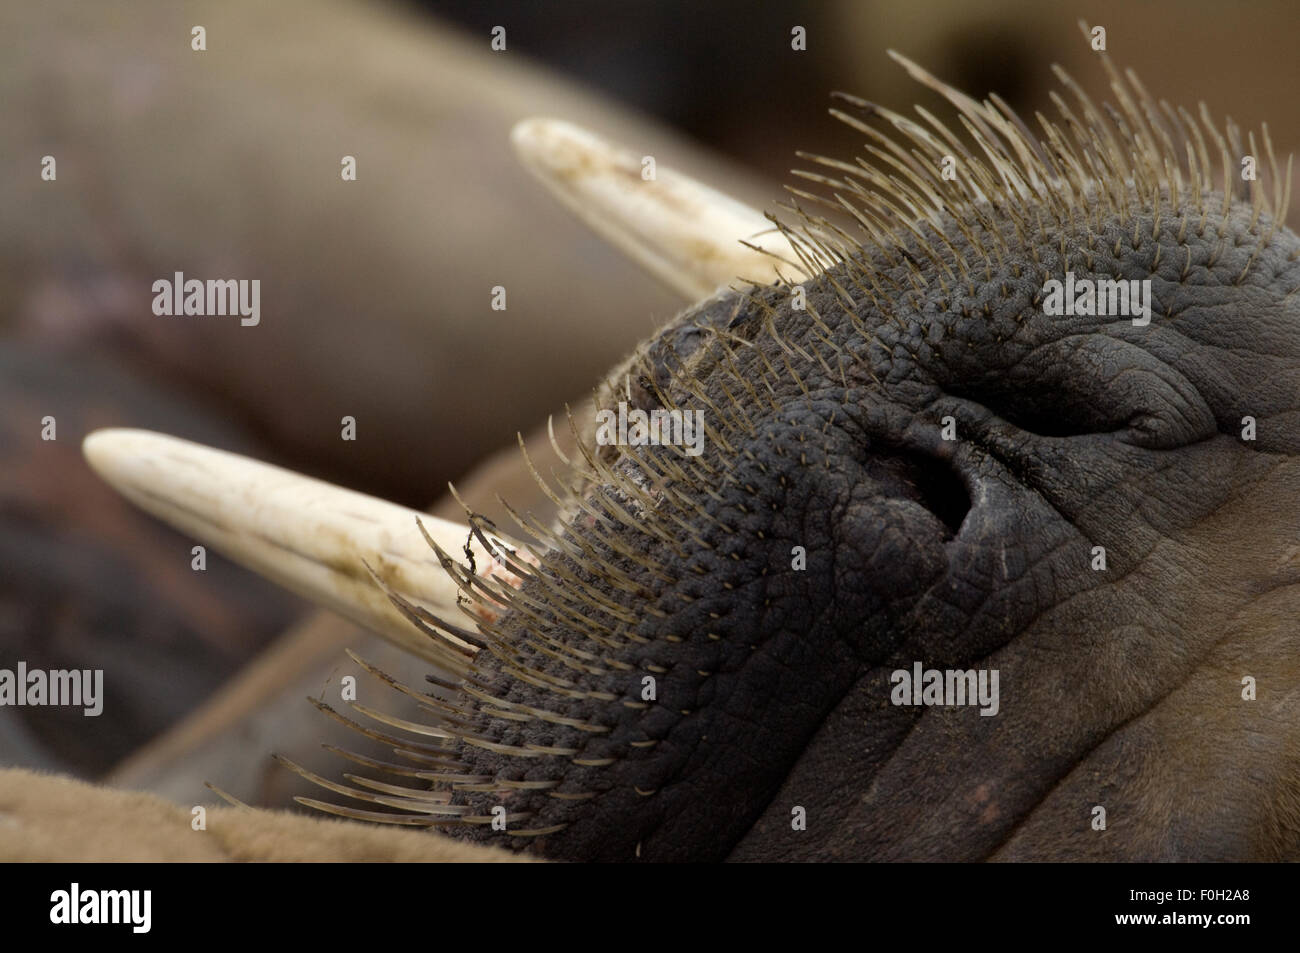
(930, 482)
(939, 489)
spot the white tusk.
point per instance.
(307, 535)
(680, 230)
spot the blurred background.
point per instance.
(376, 293)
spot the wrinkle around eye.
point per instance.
(1098, 385)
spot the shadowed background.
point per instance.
(375, 293)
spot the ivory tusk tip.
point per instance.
(527, 133)
(98, 447)
(542, 142)
(681, 230)
(111, 451)
(313, 538)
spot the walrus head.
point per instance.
(1021, 406)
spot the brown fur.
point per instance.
(45, 817)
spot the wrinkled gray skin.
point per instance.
(1119, 688)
